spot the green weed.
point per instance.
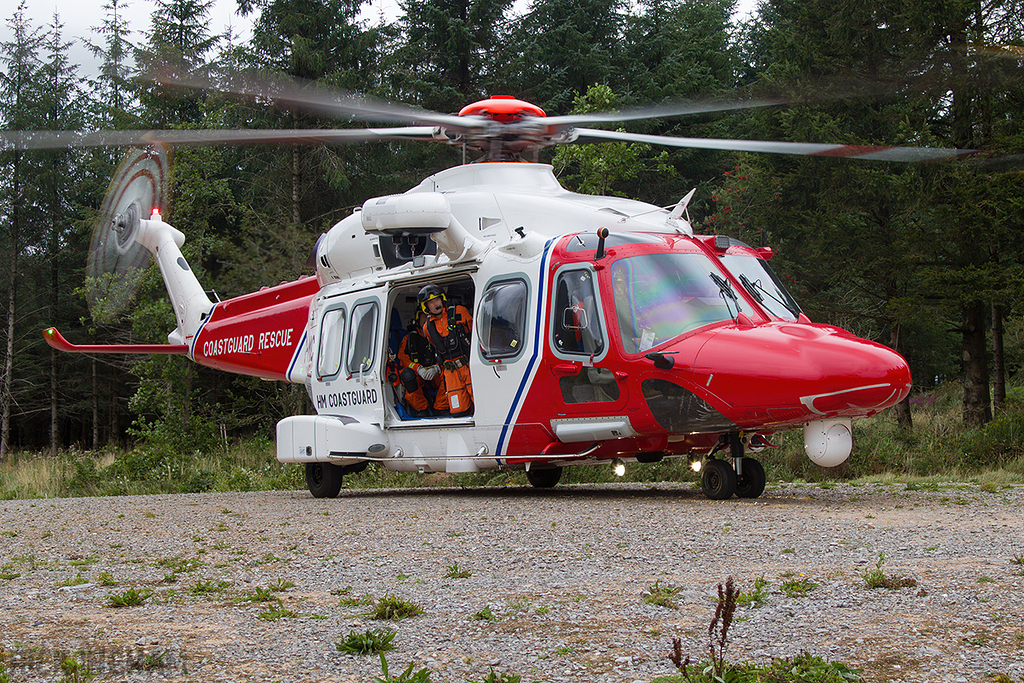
(150, 661)
(877, 578)
(372, 640)
(457, 572)
(798, 588)
(106, 579)
(494, 677)
(407, 676)
(79, 580)
(132, 597)
(259, 595)
(277, 611)
(662, 596)
(756, 597)
(75, 671)
(392, 607)
(484, 615)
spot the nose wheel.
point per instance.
(751, 479)
(745, 477)
(717, 480)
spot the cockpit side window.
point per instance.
(576, 325)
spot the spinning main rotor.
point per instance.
(501, 127)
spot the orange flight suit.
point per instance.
(414, 351)
(449, 331)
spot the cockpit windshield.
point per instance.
(661, 296)
(763, 285)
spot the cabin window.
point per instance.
(332, 328)
(362, 338)
(501, 320)
(576, 324)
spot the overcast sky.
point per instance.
(81, 16)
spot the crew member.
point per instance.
(448, 329)
(419, 372)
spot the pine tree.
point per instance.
(19, 99)
(60, 172)
(113, 89)
(449, 49)
(178, 45)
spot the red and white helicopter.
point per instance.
(603, 329)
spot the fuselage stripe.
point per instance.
(295, 356)
(195, 339)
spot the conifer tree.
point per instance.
(19, 100)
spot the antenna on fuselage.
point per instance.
(680, 208)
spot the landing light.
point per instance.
(618, 467)
(695, 465)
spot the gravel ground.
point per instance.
(562, 571)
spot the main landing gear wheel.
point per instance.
(545, 478)
(750, 482)
(718, 480)
(323, 479)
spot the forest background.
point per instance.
(922, 257)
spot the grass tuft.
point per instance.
(132, 597)
(372, 640)
(392, 607)
(662, 596)
(877, 578)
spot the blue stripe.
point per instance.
(539, 341)
(195, 339)
(295, 358)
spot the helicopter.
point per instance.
(601, 329)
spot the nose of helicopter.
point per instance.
(798, 371)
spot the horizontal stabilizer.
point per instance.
(57, 341)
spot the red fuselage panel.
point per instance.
(257, 334)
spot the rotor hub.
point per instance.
(503, 109)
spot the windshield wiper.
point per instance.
(756, 289)
(752, 288)
(725, 289)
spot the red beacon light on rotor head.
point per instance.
(502, 108)
(155, 215)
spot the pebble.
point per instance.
(563, 571)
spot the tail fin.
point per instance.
(189, 300)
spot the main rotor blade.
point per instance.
(873, 152)
(63, 139)
(668, 109)
(317, 99)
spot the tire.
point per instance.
(750, 484)
(323, 479)
(544, 478)
(718, 480)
